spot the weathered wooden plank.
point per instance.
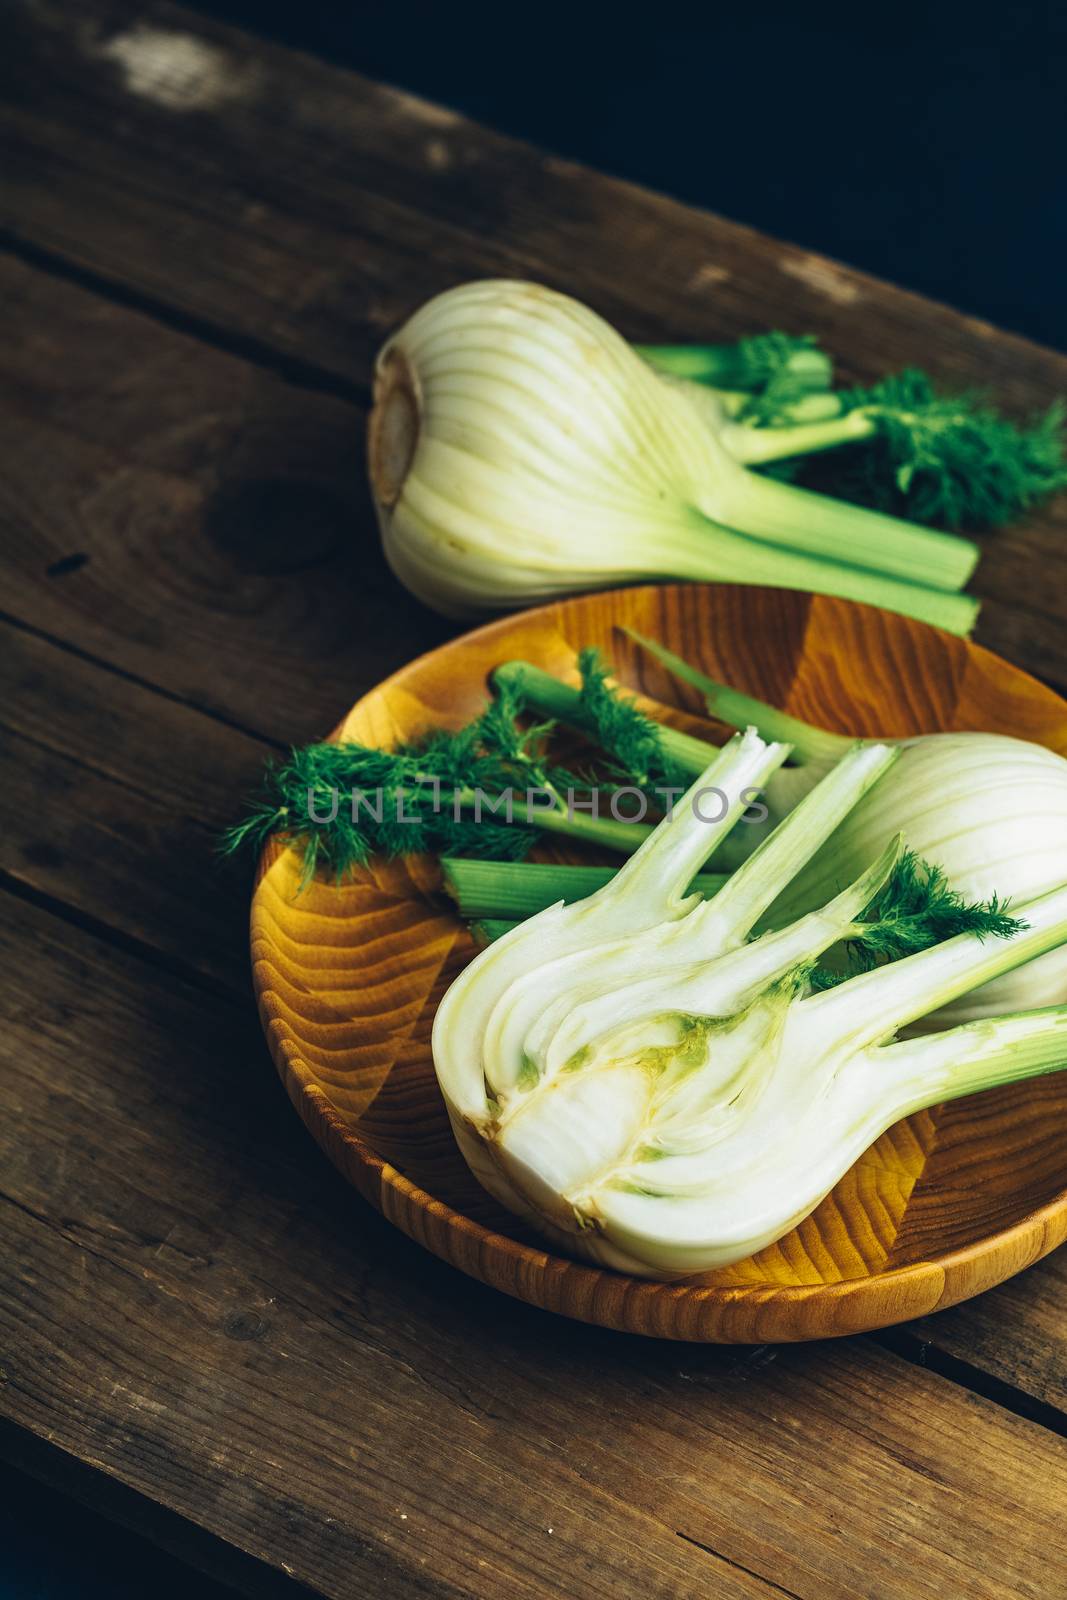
(1014, 1334)
(189, 517)
(305, 211)
(112, 803)
(196, 1303)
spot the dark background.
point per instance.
(924, 144)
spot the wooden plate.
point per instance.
(945, 1205)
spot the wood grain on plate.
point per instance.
(348, 979)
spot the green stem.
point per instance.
(519, 889)
(978, 1055)
(658, 876)
(738, 710)
(818, 526)
(690, 543)
(718, 406)
(488, 929)
(701, 363)
(624, 837)
(824, 422)
(671, 853)
(746, 365)
(808, 408)
(775, 863)
(873, 1006)
(705, 548)
(756, 446)
(666, 864)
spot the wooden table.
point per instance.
(204, 1332)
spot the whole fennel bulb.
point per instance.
(519, 449)
(988, 809)
(664, 1096)
(991, 811)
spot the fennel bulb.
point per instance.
(661, 1095)
(519, 449)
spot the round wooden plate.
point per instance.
(945, 1205)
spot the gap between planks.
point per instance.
(91, 659)
(118, 1504)
(292, 369)
(920, 1351)
(776, 1588)
(120, 939)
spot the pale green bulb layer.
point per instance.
(991, 811)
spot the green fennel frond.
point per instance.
(946, 459)
(498, 729)
(915, 910)
(631, 740)
(342, 803)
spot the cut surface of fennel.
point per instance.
(658, 1091)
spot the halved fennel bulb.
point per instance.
(662, 1094)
